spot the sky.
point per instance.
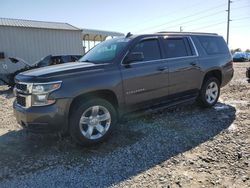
(140, 16)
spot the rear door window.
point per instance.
(176, 47)
(213, 45)
(149, 48)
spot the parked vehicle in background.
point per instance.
(120, 76)
(240, 57)
(13, 66)
(248, 72)
(10, 67)
(248, 56)
(55, 60)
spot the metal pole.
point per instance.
(181, 29)
(88, 43)
(228, 19)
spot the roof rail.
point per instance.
(189, 33)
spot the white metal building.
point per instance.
(32, 40)
(29, 41)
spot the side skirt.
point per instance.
(154, 106)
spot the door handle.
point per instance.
(193, 63)
(162, 68)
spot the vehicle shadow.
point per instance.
(136, 146)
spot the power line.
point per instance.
(239, 0)
(228, 16)
(219, 23)
(239, 19)
(172, 13)
(196, 19)
(212, 25)
(191, 15)
(204, 24)
(235, 8)
(240, 27)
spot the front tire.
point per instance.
(92, 121)
(209, 93)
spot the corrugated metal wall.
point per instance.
(32, 44)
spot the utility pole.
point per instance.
(181, 29)
(228, 19)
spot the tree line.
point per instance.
(239, 50)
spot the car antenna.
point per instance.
(128, 35)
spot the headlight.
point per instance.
(41, 91)
(45, 87)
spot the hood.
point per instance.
(65, 69)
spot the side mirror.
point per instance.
(132, 57)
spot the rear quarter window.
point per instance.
(213, 45)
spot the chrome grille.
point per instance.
(23, 92)
(24, 87)
(21, 87)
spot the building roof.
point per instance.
(98, 35)
(88, 34)
(36, 24)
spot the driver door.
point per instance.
(147, 79)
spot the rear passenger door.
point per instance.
(147, 79)
(182, 58)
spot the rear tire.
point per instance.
(209, 93)
(92, 121)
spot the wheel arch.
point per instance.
(108, 95)
(217, 73)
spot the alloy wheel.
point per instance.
(212, 92)
(95, 122)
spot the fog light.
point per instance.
(41, 97)
(42, 100)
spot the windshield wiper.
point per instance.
(85, 60)
(88, 61)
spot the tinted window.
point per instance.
(213, 45)
(149, 48)
(175, 47)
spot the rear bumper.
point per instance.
(45, 119)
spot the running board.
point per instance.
(160, 107)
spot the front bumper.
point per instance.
(44, 119)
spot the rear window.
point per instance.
(213, 45)
(175, 47)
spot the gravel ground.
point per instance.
(183, 147)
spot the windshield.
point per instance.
(105, 51)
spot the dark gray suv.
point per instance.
(119, 76)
